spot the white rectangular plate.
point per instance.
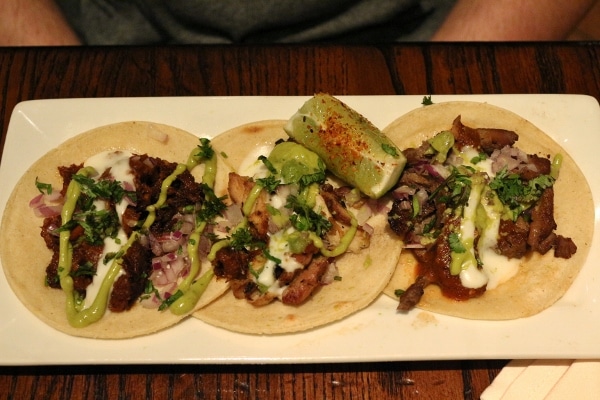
(569, 329)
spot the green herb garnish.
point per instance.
(268, 164)
(205, 150)
(172, 299)
(212, 206)
(427, 101)
(269, 183)
(44, 188)
(516, 193)
(391, 150)
(455, 243)
(305, 218)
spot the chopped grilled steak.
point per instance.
(512, 237)
(49, 224)
(305, 282)
(66, 172)
(483, 139)
(149, 173)
(137, 266)
(535, 167)
(335, 205)
(542, 221)
(231, 264)
(412, 296)
(464, 135)
(495, 139)
(564, 247)
(83, 267)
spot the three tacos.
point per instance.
(363, 275)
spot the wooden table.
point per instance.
(43, 73)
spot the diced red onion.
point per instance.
(47, 205)
(437, 170)
(150, 302)
(403, 191)
(368, 229)
(157, 134)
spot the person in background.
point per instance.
(119, 22)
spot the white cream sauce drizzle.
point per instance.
(118, 163)
(496, 268)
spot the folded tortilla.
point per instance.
(363, 275)
(541, 279)
(24, 254)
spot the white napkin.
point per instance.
(546, 380)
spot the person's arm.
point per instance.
(511, 20)
(34, 23)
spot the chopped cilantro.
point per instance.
(480, 157)
(398, 292)
(307, 180)
(44, 188)
(269, 183)
(205, 150)
(167, 302)
(459, 189)
(112, 255)
(305, 218)
(96, 224)
(86, 269)
(212, 205)
(391, 150)
(268, 164)
(269, 256)
(242, 239)
(150, 290)
(102, 189)
(455, 243)
(517, 194)
(427, 101)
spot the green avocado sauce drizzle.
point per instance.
(290, 159)
(190, 290)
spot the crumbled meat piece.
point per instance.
(542, 221)
(412, 295)
(231, 264)
(512, 238)
(495, 139)
(564, 247)
(137, 266)
(335, 205)
(464, 135)
(535, 167)
(48, 225)
(239, 187)
(305, 282)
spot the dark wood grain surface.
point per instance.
(44, 73)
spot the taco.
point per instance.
(136, 195)
(496, 216)
(300, 275)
